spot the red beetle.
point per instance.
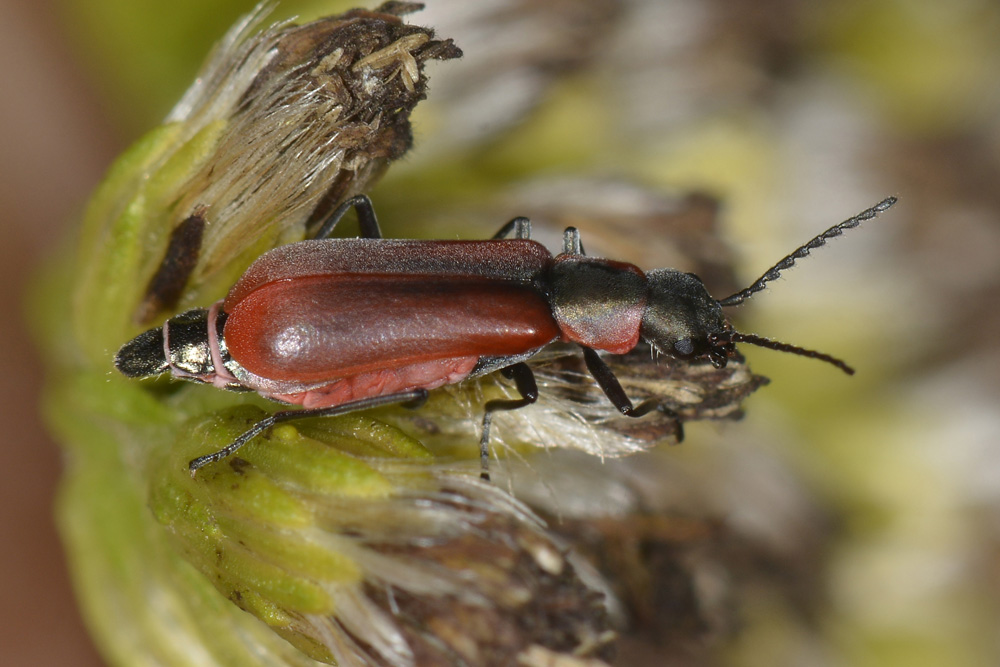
(338, 325)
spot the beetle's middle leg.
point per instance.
(524, 380)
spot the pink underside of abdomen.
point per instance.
(424, 375)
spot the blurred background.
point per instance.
(794, 115)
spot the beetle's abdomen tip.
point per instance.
(142, 356)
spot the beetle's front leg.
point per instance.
(612, 388)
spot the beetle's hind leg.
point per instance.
(612, 388)
(367, 222)
(411, 399)
(524, 380)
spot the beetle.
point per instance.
(339, 325)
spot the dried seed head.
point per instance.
(358, 549)
(311, 112)
(280, 125)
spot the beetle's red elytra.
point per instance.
(338, 325)
(431, 306)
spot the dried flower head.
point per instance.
(281, 124)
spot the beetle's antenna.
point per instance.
(802, 251)
(759, 341)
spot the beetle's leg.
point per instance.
(571, 242)
(524, 380)
(609, 384)
(521, 227)
(367, 221)
(411, 399)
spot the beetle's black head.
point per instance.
(187, 355)
(682, 319)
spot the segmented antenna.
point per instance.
(759, 341)
(802, 251)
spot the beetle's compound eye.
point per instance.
(684, 347)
